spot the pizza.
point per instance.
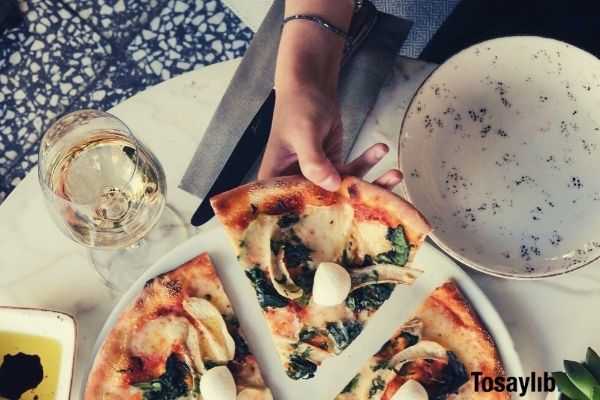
(439, 348)
(321, 262)
(179, 339)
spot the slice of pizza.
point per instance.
(321, 262)
(439, 348)
(179, 339)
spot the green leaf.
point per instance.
(592, 361)
(566, 387)
(343, 332)
(351, 385)
(581, 377)
(171, 385)
(299, 367)
(265, 292)
(596, 393)
(400, 251)
(369, 297)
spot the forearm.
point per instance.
(308, 54)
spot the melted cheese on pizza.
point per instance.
(318, 316)
(369, 238)
(325, 230)
(255, 247)
(157, 339)
(284, 323)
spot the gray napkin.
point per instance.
(360, 82)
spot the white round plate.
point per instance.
(500, 147)
(336, 372)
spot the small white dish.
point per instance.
(500, 148)
(59, 327)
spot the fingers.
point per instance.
(367, 160)
(274, 161)
(390, 179)
(317, 168)
(333, 145)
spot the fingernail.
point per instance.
(331, 183)
(382, 151)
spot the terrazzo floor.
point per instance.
(74, 54)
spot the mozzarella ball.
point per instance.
(411, 390)
(218, 384)
(331, 285)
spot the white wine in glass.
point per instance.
(105, 191)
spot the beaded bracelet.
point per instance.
(320, 21)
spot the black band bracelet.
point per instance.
(320, 21)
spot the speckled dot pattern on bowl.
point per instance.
(501, 148)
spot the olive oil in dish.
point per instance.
(29, 366)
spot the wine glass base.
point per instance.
(121, 268)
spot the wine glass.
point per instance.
(107, 191)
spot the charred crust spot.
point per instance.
(243, 220)
(135, 364)
(292, 203)
(149, 283)
(221, 204)
(353, 191)
(134, 369)
(173, 287)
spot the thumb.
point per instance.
(315, 165)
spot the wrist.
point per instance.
(308, 56)
(336, 12)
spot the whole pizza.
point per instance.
(321, 264)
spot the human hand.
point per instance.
(306, 133)
(306, 137)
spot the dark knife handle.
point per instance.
(244, 155)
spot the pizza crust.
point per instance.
(398, 211)
(449, 319)
(446, 318)
(291, 194)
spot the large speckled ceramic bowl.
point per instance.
(501, 152)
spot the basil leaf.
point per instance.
(299, 367)
(369, 297)
(377, 384)
(343, 332)
(400, 248)
(169, 386)
(265, 292)
(351, 385)
(288, 220)
(410, 339)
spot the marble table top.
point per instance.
(549, 320)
